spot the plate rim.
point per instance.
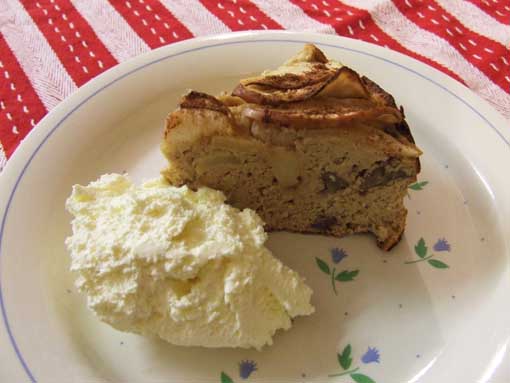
(17, 165)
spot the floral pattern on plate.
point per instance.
(345, 361)
(337, 255)
(246, 368)
(421, 251)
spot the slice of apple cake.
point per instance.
(312, 147)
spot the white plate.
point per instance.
(428, 324)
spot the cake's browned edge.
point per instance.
(387, 245)
(304, 85)
(402, 127)
(376, 91)
(200, 100)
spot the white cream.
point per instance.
(182, 265)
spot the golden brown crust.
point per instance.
(199, 100)
(399, 129)
(378, 109)
(288, 87)
(322, 114)
(318, 73)
(314, 54)
(377, 93)
(302, 77)
(392, 241)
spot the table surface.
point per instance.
(49, 48)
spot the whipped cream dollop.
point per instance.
(182, 265)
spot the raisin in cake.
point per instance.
(312, 147)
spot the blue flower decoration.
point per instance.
(442, 245)
(246, 368)
(338, 254)
(372, 355)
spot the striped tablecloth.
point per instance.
(49, 48)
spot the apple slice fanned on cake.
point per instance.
(312, 147)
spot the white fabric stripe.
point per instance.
(291, 17)
(48, 76)
(111, 28)
(3, 158)
(477, 20)
(195, 17)
(391, 21)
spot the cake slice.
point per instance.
(312, 147)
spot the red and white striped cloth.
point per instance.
(48, 48)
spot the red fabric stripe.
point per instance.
(240, 16)
(78, 48)
(152, 21)
(483, 53)
(20, 107)
(358, 24)
(500, 10)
